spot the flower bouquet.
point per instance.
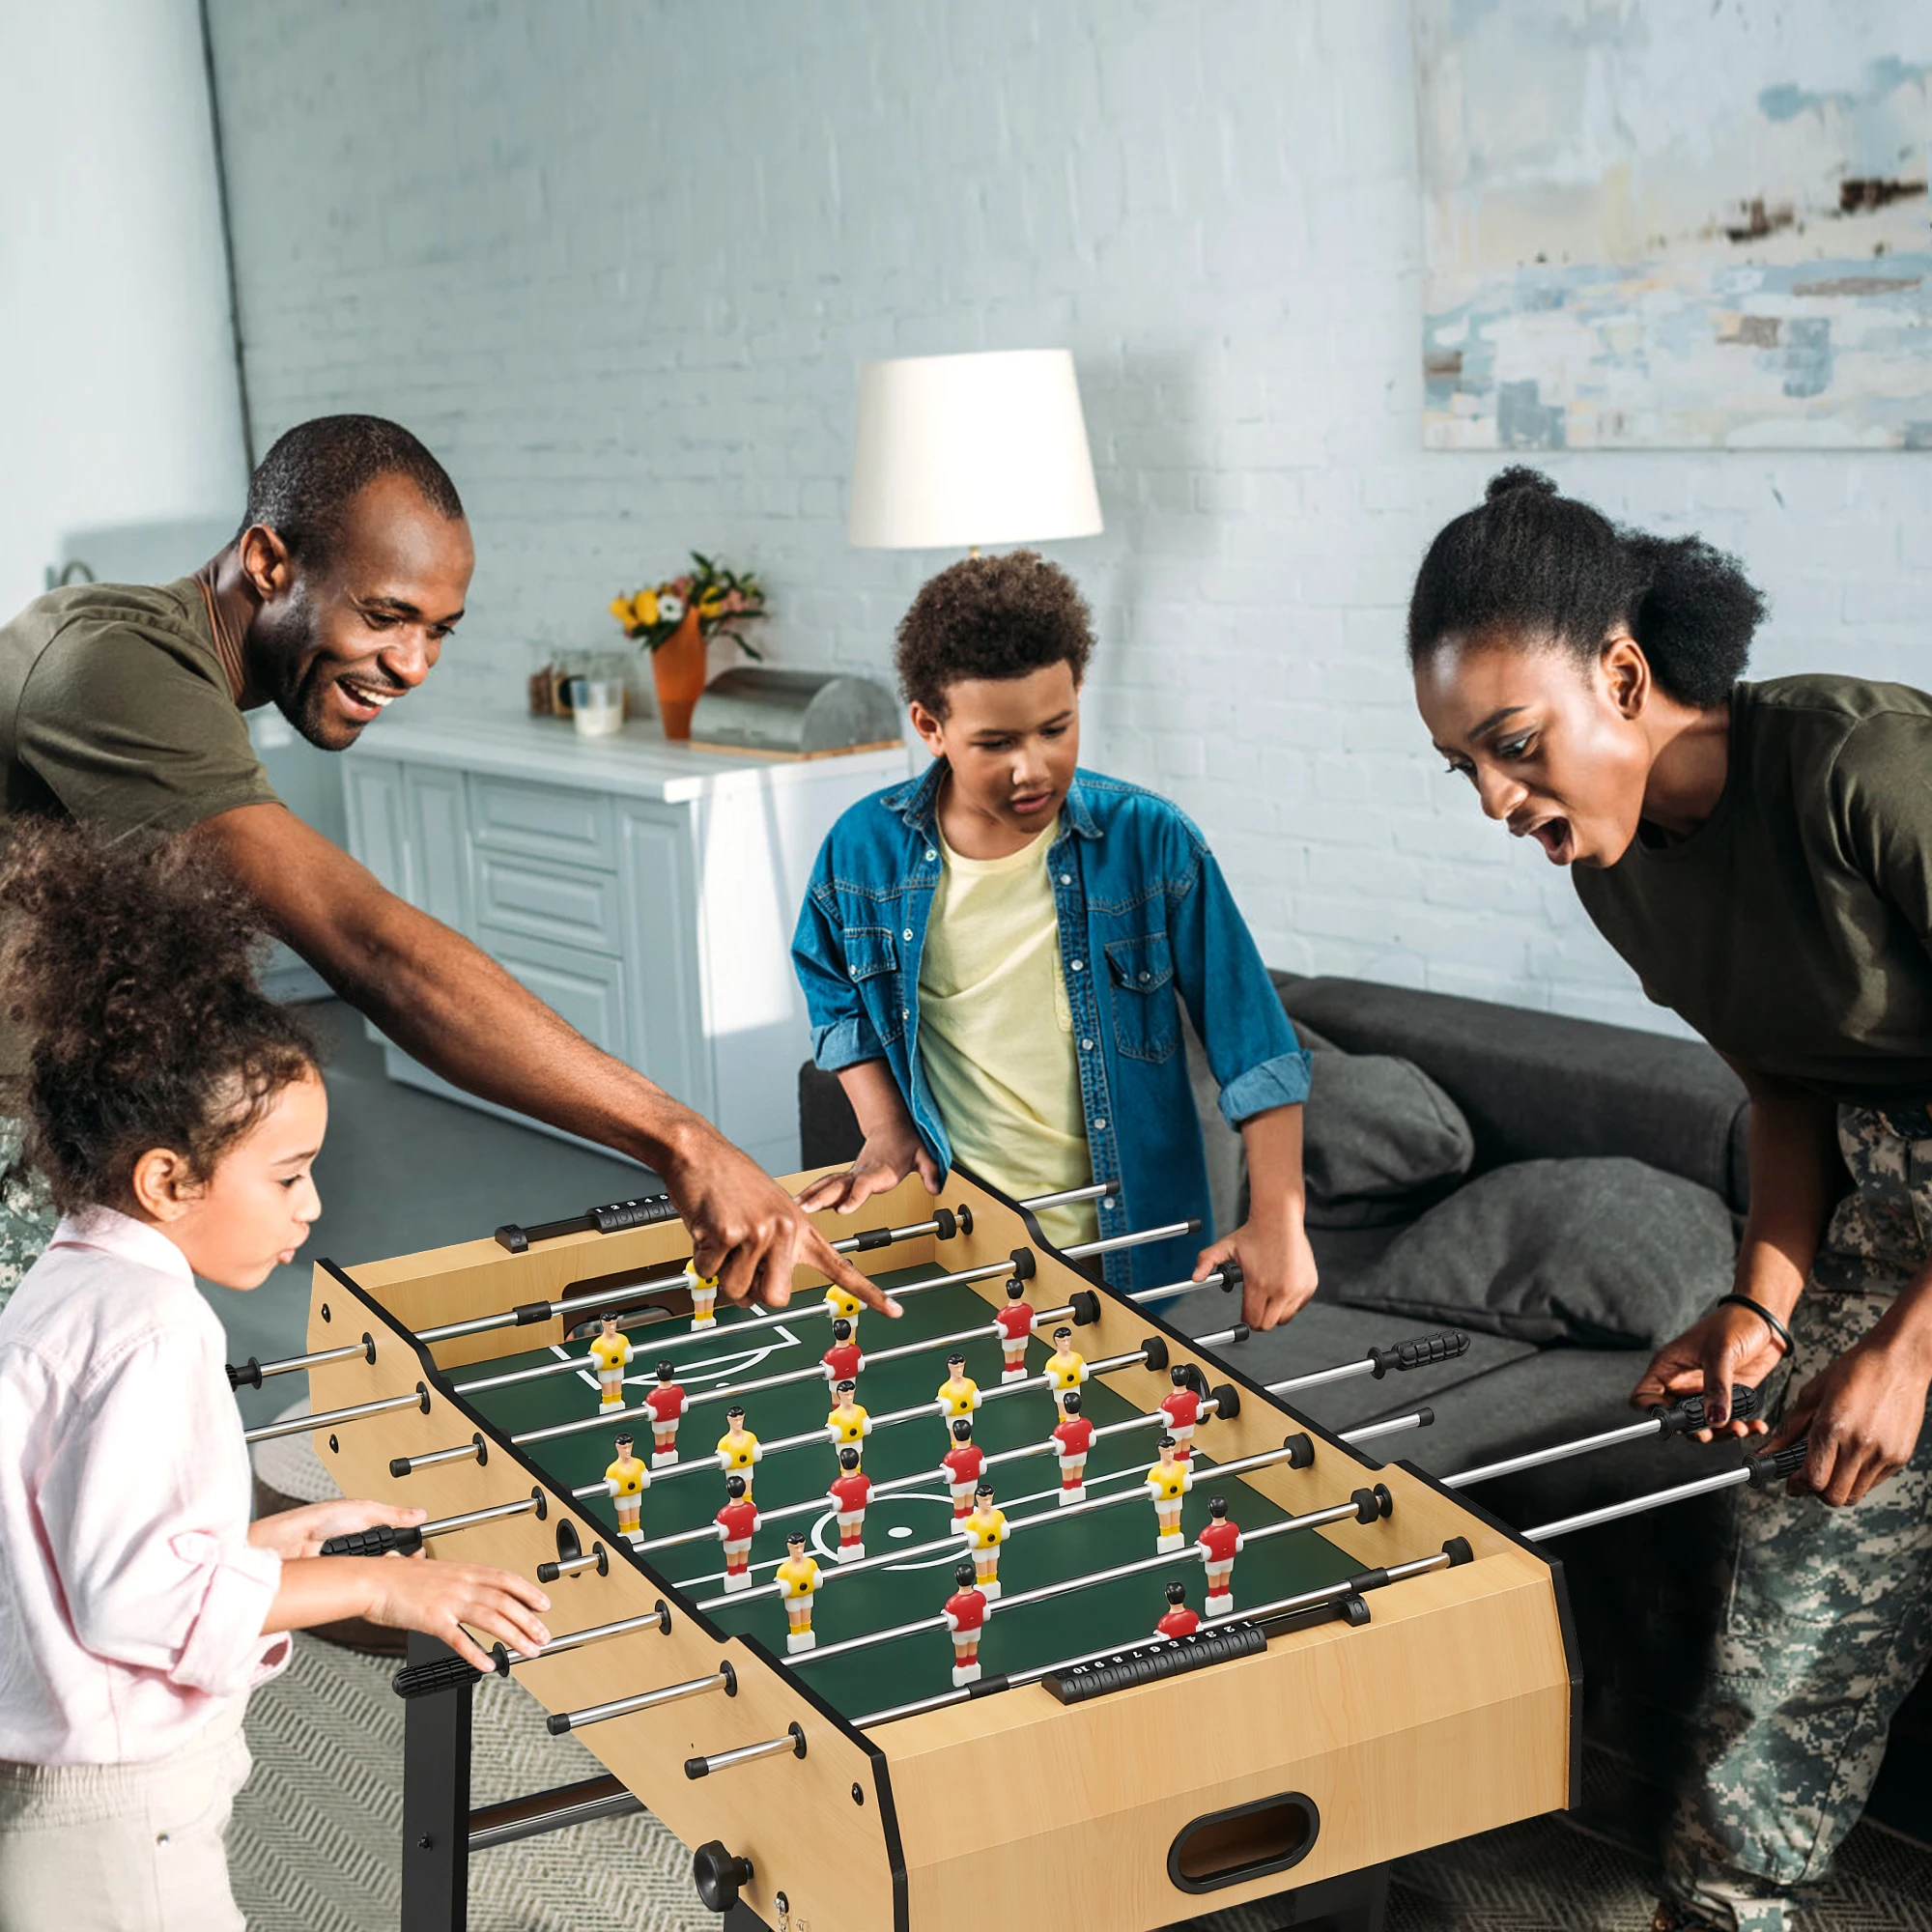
(676, 620)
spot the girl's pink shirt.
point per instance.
(131, 1602)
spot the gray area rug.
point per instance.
(315, 1842)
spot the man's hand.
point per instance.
(1278, 1272)
(884, 1161)
(1863, 1415)
(749, 1232)
(302, 1533)
(1729, 1344)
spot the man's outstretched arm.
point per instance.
(450, 1005)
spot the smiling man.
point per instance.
(123, 706)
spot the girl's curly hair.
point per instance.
(131, 966)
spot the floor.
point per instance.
(403, 1170)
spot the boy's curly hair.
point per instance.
(131, 966)
(991, 617)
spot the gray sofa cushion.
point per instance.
(1599, 1252)
(1379, 1140)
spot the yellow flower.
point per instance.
(711, 603)
(620, 609)
(644, 607)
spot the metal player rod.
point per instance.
(793, 1741)
(1421, 1418)
(724, 1678)
(1108, 1243)
(1759, 1472)
(1680, 1418)
(1308, 1600)
(329, 1418)
(1045, 1591)
(407, 1540)
(253, 1372)
(1295, 1448)
(532, 1312)
(1099, 1190)
(1423, 1352)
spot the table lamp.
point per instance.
(956, 451)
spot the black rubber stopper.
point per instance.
(1226, 1401)
(1024, 1265)
(1230, 1271)
(947, 1227)
(1301, 1451)
(1154, 1349)
(1458, 1552)
(1085, 1307)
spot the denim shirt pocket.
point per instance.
(872, 960)
(1147, 1024)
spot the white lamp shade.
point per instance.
(957, 451)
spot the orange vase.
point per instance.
(677, 669)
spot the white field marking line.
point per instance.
(718, 1370)
(909, 1495)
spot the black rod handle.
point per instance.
(381, 1541)
(1422, 1353)
(1780, 1467)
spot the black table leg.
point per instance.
(436, 1803)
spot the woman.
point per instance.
(1761, 854)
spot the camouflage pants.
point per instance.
(1828, 1622)
(27, 1216)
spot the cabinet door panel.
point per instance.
(559, 903)
(544, 821)
(374, 798)
(439, 845)
(670, 1031)
(586, 988)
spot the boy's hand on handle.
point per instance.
(883, 1162)
(439, 1597)
(302, 1533)
(1729, 1344)
(1278, 1271)
(1861, 1415)
(749, 1233)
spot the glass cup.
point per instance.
(597, 704)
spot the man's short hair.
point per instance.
(303, 487)
(992, 617)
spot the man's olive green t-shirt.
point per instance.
(115, 710)
(1794, 929)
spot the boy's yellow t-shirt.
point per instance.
(996, 1031)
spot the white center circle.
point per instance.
(900, 1532)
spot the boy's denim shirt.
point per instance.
(1145, 914)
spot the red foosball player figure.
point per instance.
(1167, 1482)
(629, 1479)
(965, 1615)
(985, 1530)
(1014, 1321)
(851, 1491)
(1182, 1408)
(1180, 1620)
(665, 1403)
(845, 1306)
(1220, 1543)
(848, 1425)
(737, 1522)
(1065, 1369)
(612, 1353)
(843, 1359)
(799, 1575)
(965, 1464)
(1074, 1436)
(738, 1448)
(703, 1297)
(958, 1394)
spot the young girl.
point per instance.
(176, 1113)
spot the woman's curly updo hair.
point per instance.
(991, 617)
(132, 967)
(1529, 567)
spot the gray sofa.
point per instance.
(1532, 1086)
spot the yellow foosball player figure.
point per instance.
(985, 1529)
(703, 1297)
(629, 1478)
(738, 1448)
(845, 1307)
(1065, 1367)
(799, 1575)
(958, 1394)
(1167, 1482)
(611, 1351)
(849, 1424)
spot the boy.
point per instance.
(994, 957)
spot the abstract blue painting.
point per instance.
(1669, 223)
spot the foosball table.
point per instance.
(1022, 1604)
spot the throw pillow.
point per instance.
(1603, 1253)
(1379, 1139)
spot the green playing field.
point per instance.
(918, 1665)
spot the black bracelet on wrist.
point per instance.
(1770, 1321)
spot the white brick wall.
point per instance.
(618, 263)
